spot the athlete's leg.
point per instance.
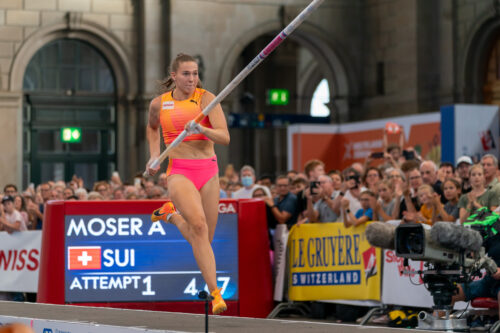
(210, 193)
(210, 200)
(193, 225)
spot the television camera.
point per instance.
(452, 254)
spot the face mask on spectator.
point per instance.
(247, 181)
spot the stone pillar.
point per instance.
(11, 159)
(390, 63)
(152, 49)
(156, 39)
(435, 54)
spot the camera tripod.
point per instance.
(441, 283)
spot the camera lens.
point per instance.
(415, 243)
(410, 240)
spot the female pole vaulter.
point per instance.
(193, 174)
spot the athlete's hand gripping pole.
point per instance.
(242, 75)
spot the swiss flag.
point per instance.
(84, 257)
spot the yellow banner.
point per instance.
(329, 261)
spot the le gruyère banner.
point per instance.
(329, 261)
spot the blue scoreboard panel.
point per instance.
(127, 258)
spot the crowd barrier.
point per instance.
(20, 261)
(328, 262)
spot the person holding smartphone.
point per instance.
(327, 208)
(313, 169)
(353, 188)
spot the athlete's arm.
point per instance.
(153, 132)
(218, 133)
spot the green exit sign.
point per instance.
(278, 97)
(71, 134)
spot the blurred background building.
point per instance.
(92, 66)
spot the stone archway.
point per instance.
(124, 70)
(329, 64)
(333, 64)
(111, 48)
(477, 51)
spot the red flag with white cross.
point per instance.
(84, 257)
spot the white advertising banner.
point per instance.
(20, 261)
(476, 130)
(469, 129)
(403, 285)
(280, 242)
(403, 288)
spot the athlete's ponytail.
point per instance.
(168, 83)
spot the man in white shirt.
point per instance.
(247, 175)
(354, 189)
(10, 219)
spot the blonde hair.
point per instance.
(95, 196)
(425, 187)
(476, 166)
(168, 83)
(387, 183)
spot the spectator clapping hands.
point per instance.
(435, 200)
(345, 203)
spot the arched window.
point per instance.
(68, 84)
(68, 65)
(492, 84)
(321, 97)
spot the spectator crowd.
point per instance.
(389, 186)
(395, 184)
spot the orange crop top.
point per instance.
(174, 115)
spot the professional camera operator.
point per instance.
(489, 286)
(453, 254)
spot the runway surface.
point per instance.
(176, 322)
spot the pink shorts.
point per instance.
(198, 171)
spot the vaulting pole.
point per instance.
(242, 75)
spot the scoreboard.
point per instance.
(111, 254)
(129, 258)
